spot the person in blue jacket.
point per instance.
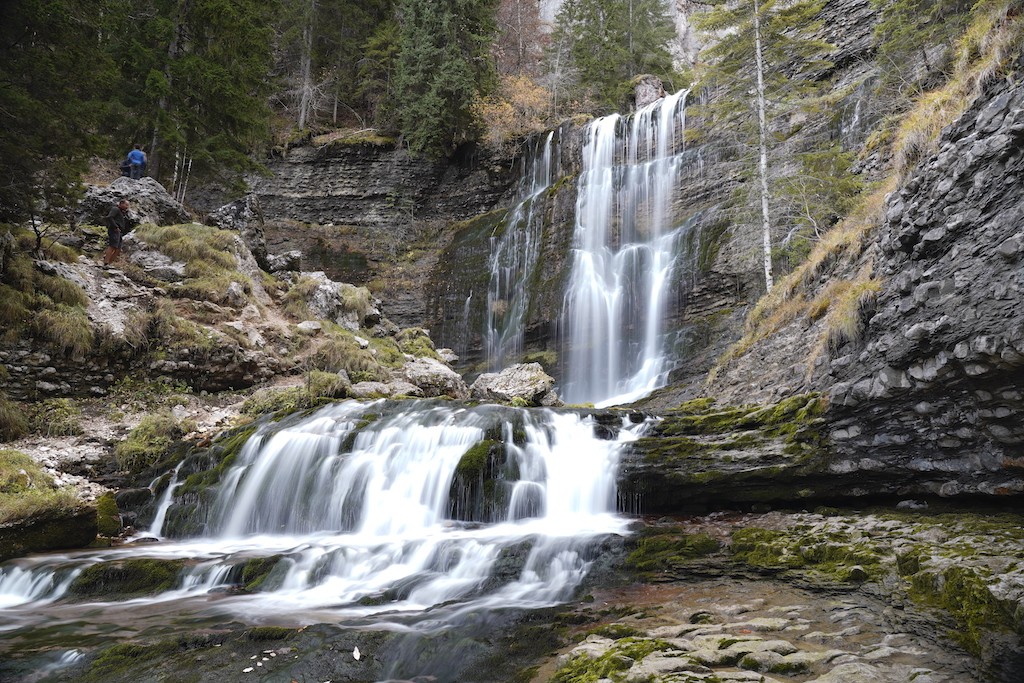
(137, 159)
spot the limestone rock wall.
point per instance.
(364, 184)
(928, 401)
(938, 385)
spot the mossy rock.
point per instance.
(124, 579)
(661, 549)
(964, 592)
(474, 461)
(836, 557)
(585, 669)
(108, 516)
(75, 529)
(121, 658)
(256, 570)
(261, 634)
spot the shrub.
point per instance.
(66, 328)
(56, 417)
(13, 422)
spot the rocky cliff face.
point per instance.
(927, 400)
(937, 385)
(368, 212)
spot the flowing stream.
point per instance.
(368, 517)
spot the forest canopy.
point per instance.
(208, 86)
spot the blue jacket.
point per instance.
(137, 157)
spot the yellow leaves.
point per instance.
(519, 108)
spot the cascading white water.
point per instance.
(625, 246)
(514, 256)
(156, 528)
(359, 509)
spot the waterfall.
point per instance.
(352, 507)
(514, 255)
(164, 505)
(625, 245)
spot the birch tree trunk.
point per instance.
(173, 53)
(306, 66)
(763, 150)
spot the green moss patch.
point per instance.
(474, 460)
(125, 579)
(584, 669)
(262, 634)
(835, 555)
(964, 593)
(660, 549)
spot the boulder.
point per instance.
(370, 390)
(347, 305)
(150, 202)
(434, 378)
(647, 89)
(290, 261)
(525, 381)
(246, 217)
(154, 263)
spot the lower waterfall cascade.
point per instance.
(357, 510)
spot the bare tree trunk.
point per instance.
(763, 151)
(521, 54)
(306, 66)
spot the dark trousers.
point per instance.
(137, 170)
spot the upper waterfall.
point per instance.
(625, 244)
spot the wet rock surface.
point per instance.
(880, 596)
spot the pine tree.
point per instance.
(760, 67)
(54, 76)
(444, 65)
(608, 42)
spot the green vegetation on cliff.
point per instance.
(39, 305)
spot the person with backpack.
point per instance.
(137, 159)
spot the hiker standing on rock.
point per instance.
(118, 225)
(137, 160)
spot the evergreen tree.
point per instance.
(760, 67)
(321, 44)
(376, 75)
(195, 82)
(53, 78)
(907, 32)
(608, 42)
(444, 65)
